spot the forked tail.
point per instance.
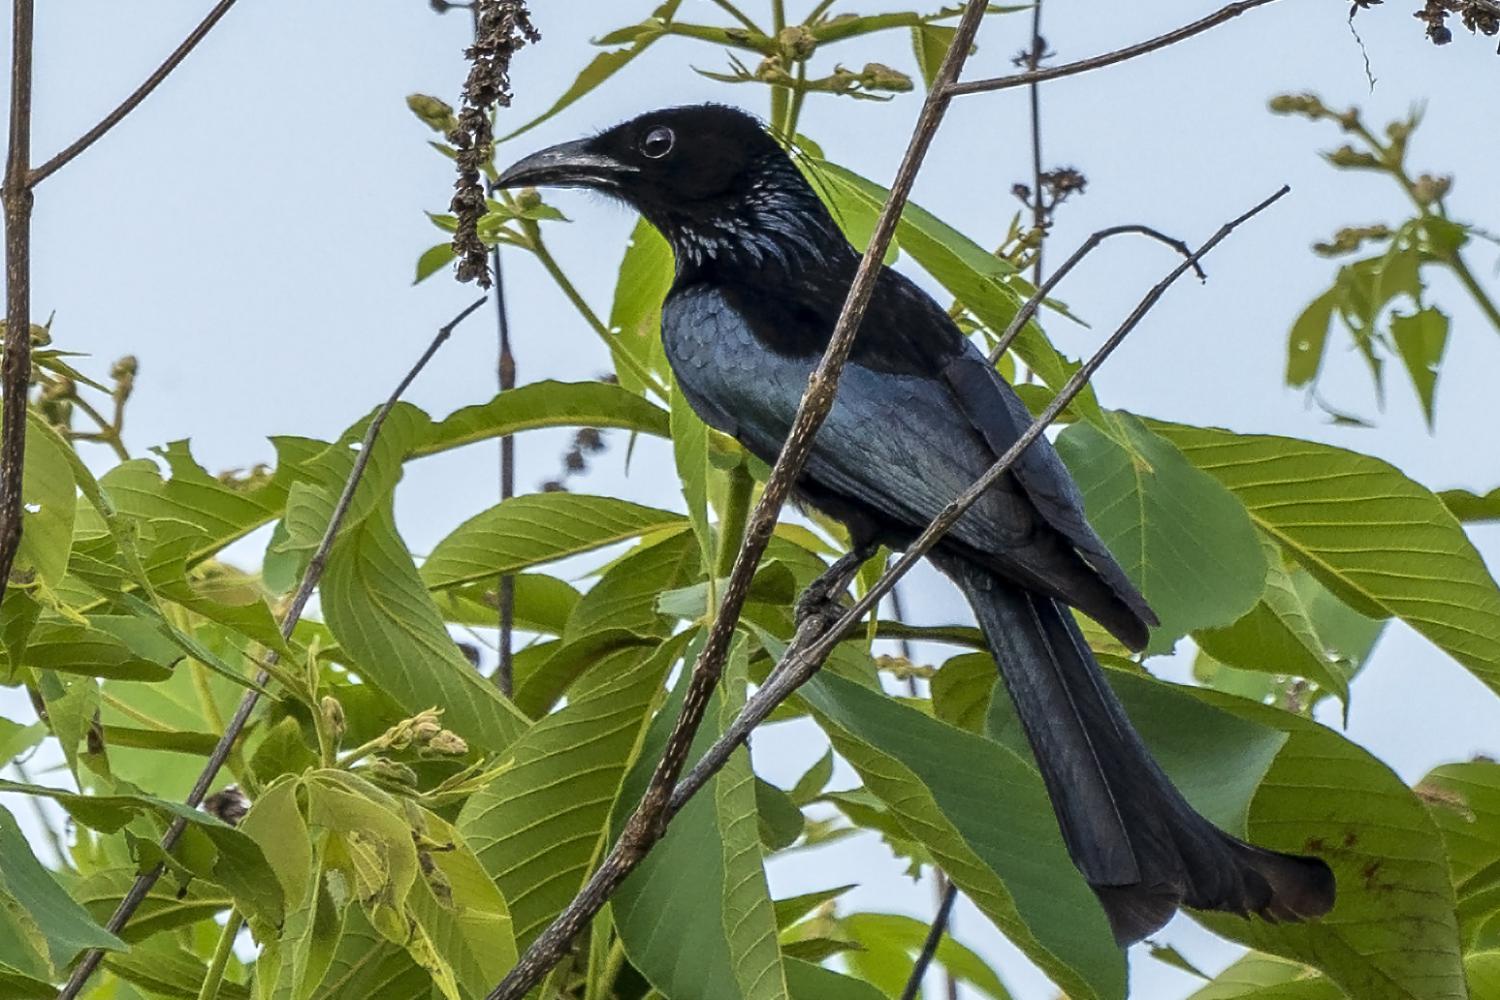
(1138, 843)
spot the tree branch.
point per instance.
(128, 105)
(310, 578)
(15, 373)
(1109, 58)
(1028, 310)
(647, 824)
(930, 946)
(15, 369)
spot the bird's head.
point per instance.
(709, 177)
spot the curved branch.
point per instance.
(128, 105)
(1218, 17)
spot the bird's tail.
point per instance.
(1138, 843)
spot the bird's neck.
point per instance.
(776, 230)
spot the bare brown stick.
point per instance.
(647, 824)
(1028, 310)
(505, 369)
(1218, 17)
(930, 946)
(310, 578)
(814, 640)
(15, 373)
(140, 93)
(1039, 219)
(15, 370)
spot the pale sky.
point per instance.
(250, 232)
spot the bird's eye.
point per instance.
(658, 142)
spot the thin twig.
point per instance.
(1038, 208)
(15, 370)
(930, 946)
(1044, 289)
(1109, 58)
(310, 578)
(814, 640)
(505, 368)
(128, 105)
(647, 824)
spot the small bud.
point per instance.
(435, 113)
(1348, 156)
(797, 42)
(772, 69)
(879, 76)
(449, 743)
(333, 716)
(1429, 190)
(528, 199)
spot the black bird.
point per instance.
(761, 273)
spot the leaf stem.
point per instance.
(738, 15)
(1467, 279)
(222, 951)
(732, 521)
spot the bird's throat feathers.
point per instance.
(774, 226)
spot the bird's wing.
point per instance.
(995, 410)
(899, 445)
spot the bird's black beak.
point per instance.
(568, 164)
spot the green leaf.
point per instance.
(542, 603)
(1464, 800)
(1393, 932)
(208, 847)
(166, 969)
(1420, 339)
(546, 404)
(984, 283)
(460, 911)
(165, 907)
(807, 981)
(1277, 636)
(64, 925)
(606, 64)
(1182, 538)
(433, 260)
(625, 596)
(961, 690)
(365, 964)
(646, 273)
(1308, 339)
(696, 917)
(929, 42)
(1266, 977)
(892, 942)
(538, 528)
(779, 820)
(1468, 506)
(943, 786)
(1382, 543)
(49, 503)
(97, 652)
(537, 828)
(690, 449)
(386, 623)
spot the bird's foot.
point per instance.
(821, 599)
